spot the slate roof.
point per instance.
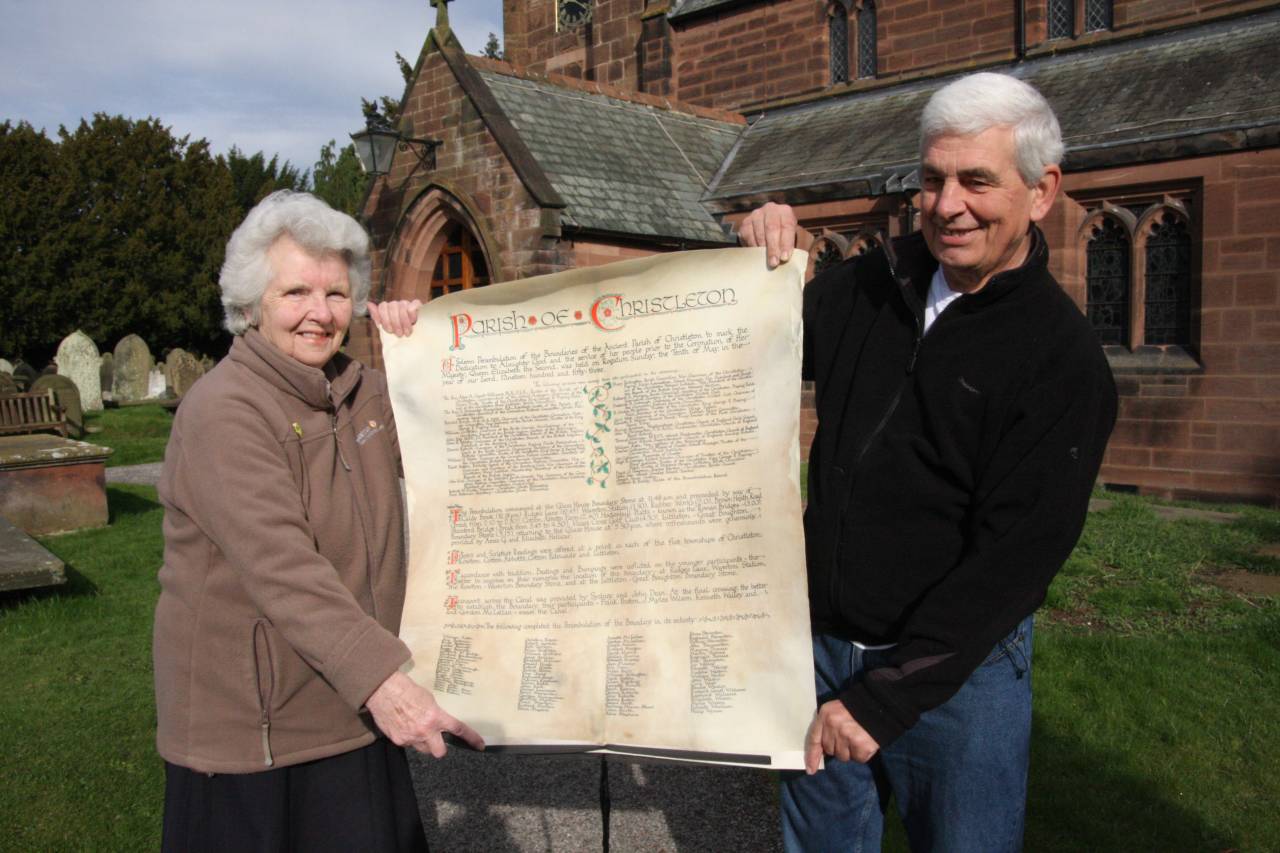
(620, 166)
(1216, 87)
(689, 8)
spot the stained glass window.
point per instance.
(1107, 276)
(1097, 15)
(1168, 282)
(867, 39)
(839, 30)
(1062, 19)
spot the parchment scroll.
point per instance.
(606, 549)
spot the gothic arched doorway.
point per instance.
(439, 248)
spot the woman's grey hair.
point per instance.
(981, 101)
(313, 225)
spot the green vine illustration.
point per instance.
(601, 416)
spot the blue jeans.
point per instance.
(958, 776)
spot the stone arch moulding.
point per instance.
(419, 236)
(1104, 211)
(828, 248)
(864, 241)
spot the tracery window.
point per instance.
(1062, 19)
(1108, 281)
(838, 30)
(867, 39)
(827, 255)
(1097, 15)
(1140, 260)
(840, 241)
(1167, 317)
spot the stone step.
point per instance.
(24, 562)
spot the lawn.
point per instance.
(77, 725)
(1155, 690)
(137, 434)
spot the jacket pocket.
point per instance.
(265, 677)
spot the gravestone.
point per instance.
(104, 374)
(6, 367)
(67, 396)
(50, 369)
(181, 370)
(207, 363)
(131, 370)
(24, 374)
(157, 385)
(7, 385)
(79, 361)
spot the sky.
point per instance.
(279, 76)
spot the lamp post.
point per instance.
(376, 146)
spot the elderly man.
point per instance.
(964, 405)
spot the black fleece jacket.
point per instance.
(950, 474)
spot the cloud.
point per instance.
(283, 77)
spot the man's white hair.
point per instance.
(313, 225)
(978, 102)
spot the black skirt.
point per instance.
(360, 800)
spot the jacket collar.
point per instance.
(319, 388)
(914, 267)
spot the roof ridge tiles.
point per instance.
(564, 81)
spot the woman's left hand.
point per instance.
(396, 317)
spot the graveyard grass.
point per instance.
(136, 434)
(1156, 726)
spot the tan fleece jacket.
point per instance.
(284, 572)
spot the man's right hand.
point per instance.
(409, 716)
(835, 732)
(775, 227)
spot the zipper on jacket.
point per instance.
(333, 427)
(911, 367)
(883, 422)
(365, 526)
(264, 701)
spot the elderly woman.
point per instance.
(281, 702)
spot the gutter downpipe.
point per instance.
(1020, 29)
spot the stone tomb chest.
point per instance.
(50, 484)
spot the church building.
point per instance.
(620, 128)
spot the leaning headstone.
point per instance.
(104, 374)
(131, 370)
(157, 385)
(181, 370)
(24, 374)
(7, 385)
(79, 361)
(5, 367)
(68, 398)
(50, 369)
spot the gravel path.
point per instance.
(504, 803)
(138, 475)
